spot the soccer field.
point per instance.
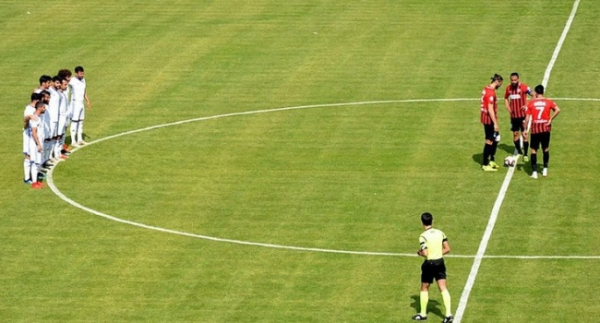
(268, 161)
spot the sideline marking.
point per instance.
(464, 297)
(63, 197)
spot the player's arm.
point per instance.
(555, 114)
(506, 100)
(493, 115)
(445, 247)
(423, 252)
(36, 139)
(87, 100)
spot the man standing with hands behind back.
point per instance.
(433, 246)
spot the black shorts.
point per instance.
(431, 269)
(539, 138)
(490, 134)
(516, 124)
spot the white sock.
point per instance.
(80, 131)
(74, 125)
(57, 148)
(34, 172)
(27, 169)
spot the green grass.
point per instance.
(349, 177)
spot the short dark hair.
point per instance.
(78, 69)
(426, 218)
(514, 74)
(64, 73)
(39, 105)
(45, 78)
(36, 96)
(497, 77)
(57, 78)
(539, 89)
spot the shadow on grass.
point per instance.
(508, 149)
(433, 307)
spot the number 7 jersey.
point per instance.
(539, 110)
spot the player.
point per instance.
(63, 109)
(35, 146)
(66, 75)
(28, 113)
(45, 82)
(45, 134)
(78, 96)
(433, 246)
(53, 114)
(489, 119)
(539, 113)
(515, 100)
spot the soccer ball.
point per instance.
(510, 161)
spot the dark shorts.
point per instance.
(543, 138)
(431, 269)
(490, 134)
(516, 124)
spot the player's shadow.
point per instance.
(433, 307)
(508, 149)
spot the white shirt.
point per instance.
(77, 89)
(52, 111)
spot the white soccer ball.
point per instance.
(510, 161)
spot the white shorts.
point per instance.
(32, 151)
(78, 111)
(62, 125)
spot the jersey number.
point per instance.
(540, 111)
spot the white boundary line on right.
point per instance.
(464, 298)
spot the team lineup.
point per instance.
(531, 122)
(58, 102)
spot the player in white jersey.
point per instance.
(63, 111)
(78, 97)
(46, 133)
(35, 144)
(53, 114)
(66, 75)
(28, 113)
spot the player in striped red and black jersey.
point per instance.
(489, 119)
(515, 100)
(541, 112)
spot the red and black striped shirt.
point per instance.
(488, 95)
(517, 98)
(539, 110)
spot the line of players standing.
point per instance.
(57, 103)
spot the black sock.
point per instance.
(493, 150)
(486, 155)
(525, 147)
(518, 146)
(534, 162)
(546, 158)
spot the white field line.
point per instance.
(268, 245)
(464, 298)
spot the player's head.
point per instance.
(40, 107)
(56, 81)
(426, 219)
(45, 97)
(35, 97)
(64, 84)
(65, 73)
(539, 90)
(45, 81)
(497, 81)
(514, 79)
(79, 72)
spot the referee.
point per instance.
(433, 246)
